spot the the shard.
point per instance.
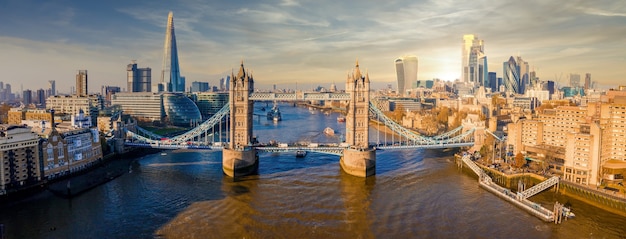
(170, 74)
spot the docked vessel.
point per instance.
(341, 119)
(274, 114)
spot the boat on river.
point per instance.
(329, 131)
(300, 154)
(274, 114)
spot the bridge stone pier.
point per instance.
(240, 158)
(359, 159)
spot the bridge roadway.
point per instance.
(299, 96)
(333, 150)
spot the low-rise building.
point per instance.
(69, 150)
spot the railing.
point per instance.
(538, 188)
(298, 96)
(477, 170)
(326, 150)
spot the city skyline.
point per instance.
(309, 43)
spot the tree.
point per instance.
(398, 112)
(442, 115)
(519, 160)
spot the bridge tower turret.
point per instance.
(359, 159)
(239, 158)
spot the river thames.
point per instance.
(184, 194)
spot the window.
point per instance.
(61, 151)
(50, 152)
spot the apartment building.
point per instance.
(19, 158)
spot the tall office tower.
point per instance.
(27, 97)
(41, 97)
(516, 75)
(170, 73)
(587, 81)
(138, 79)
(511, 76)
(400, 76)
(81, 83)
(7, 93)
(227, 84)
(472, 53)
(574, 80)
(493, 82)
(2, 93)
(51, 88)
(406, 70)
(221, 87)
(524, 73)
(198, 86)
(550, 87)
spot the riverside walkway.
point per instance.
(519, 199)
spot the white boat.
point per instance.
(163, 154)
(329, 131)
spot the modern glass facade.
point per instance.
(210, 103)
(138, 79)
(516, 75)
(173, 108)
(406, 70)
(473, 72)
(180, 110)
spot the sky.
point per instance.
(305, 42)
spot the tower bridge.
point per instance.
(357, 155)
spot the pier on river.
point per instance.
(519, 199)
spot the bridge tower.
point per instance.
(359, 159)
(239, 158)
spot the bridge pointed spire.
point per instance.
(242, 72)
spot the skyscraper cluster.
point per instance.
(474, 61)
(5, 92)
(406, 70)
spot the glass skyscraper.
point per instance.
(474, 61)
(138, 79)
(170, 74)
(406, 70)
(516, 75)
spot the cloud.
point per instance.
(317, 41)
(289, 3)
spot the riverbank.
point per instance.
(607, 200)
(110, 167)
